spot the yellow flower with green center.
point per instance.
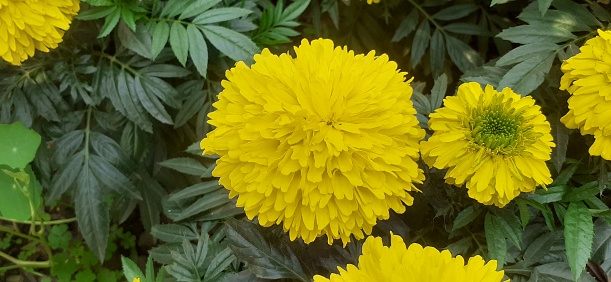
(324, 143)
(587, 76)
(27, 25)
(398, 263)
(494, 142)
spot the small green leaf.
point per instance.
(197, 8)
(18, 189)
(438, 92)
(18, 145)
(294, 10)
(578, 237)
(406, 27)
(526, 76)
(543, 6)
(539, 248)
(179, 41)
(463, 56)
(581, 193)
(204, 204)
(92, 212)
(174, 233)
(525, 52)
(527, 34)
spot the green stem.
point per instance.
(51, 222)
(23, 263)
(17, 233)
(427, 16)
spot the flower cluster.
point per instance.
(494, 142)
(414, 263)
(26, 25)
(586, 77)
(323, 143)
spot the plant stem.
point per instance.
(23, 263)
(50, 222)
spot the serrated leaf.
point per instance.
(195, 190)
(175, 7)
(294, 10)
(235, 45)
(267, 259)
(495, 240)
(220, 262)
(525, 52)
(139, 42)
(466, 28)
(198, 49)
(529, 34)
(539, 248)
(438, 92)
(581, 193)
(111, 22)
(220, 15)
(465, 217)
(185, 165)
(557, 19)
(150, 103)
(420, 43)
(543, 5)
(65, 178)
(174, 233)
(455, 12)
(95, 13)
(150, 209)
(179, 41)
(437, 52)
(92, 212)
(578, 237)
(160, 36)
(510, 226)
(406, 27)
(526, 76)
(111, 177)
(203, 204)
(463, 56)
(561, 138)
(197, 8)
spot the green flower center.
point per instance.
(496, 130)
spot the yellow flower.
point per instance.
(398, 263)
(586, 77)
(495, 142)
(26, 25)
(373, 1)
(323, 143)
(136, 279)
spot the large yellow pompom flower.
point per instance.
(587, 77)
(26, 25)
(323, 143)
(397, 263)
(494, 142)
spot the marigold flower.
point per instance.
(586, 77)
(398, 263)
(495, 142)
(26, 25)
(323, 143)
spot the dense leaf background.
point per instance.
(122, 104)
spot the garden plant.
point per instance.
(305, 140)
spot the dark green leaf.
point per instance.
(66, 176)
(174, 233)
(131, 269)
(495, 239)
(270, 259)
(466, 28)
(164, 70)
(185, 165)
(525, 52)
(139, 42)
(294, 10)
(583, 192)
(437, 52)
(578, 236)
(150, 102)
(420, 43)
(539, 248)
(463, 56)
(543, 6)
(96, 13)
(220, 262)
(195, 190)
(526, 76)
(111, 177)
(92, 212)
(407, 26)
(527, 34)
(465, 217)
(197, 8)
(204, 204)
(455, 12)
(438, 92)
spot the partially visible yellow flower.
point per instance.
(397, 263)
(26, 25)
(587, 76)
(325, 143)
(494, 142)
(373, 1)
(136, 279)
